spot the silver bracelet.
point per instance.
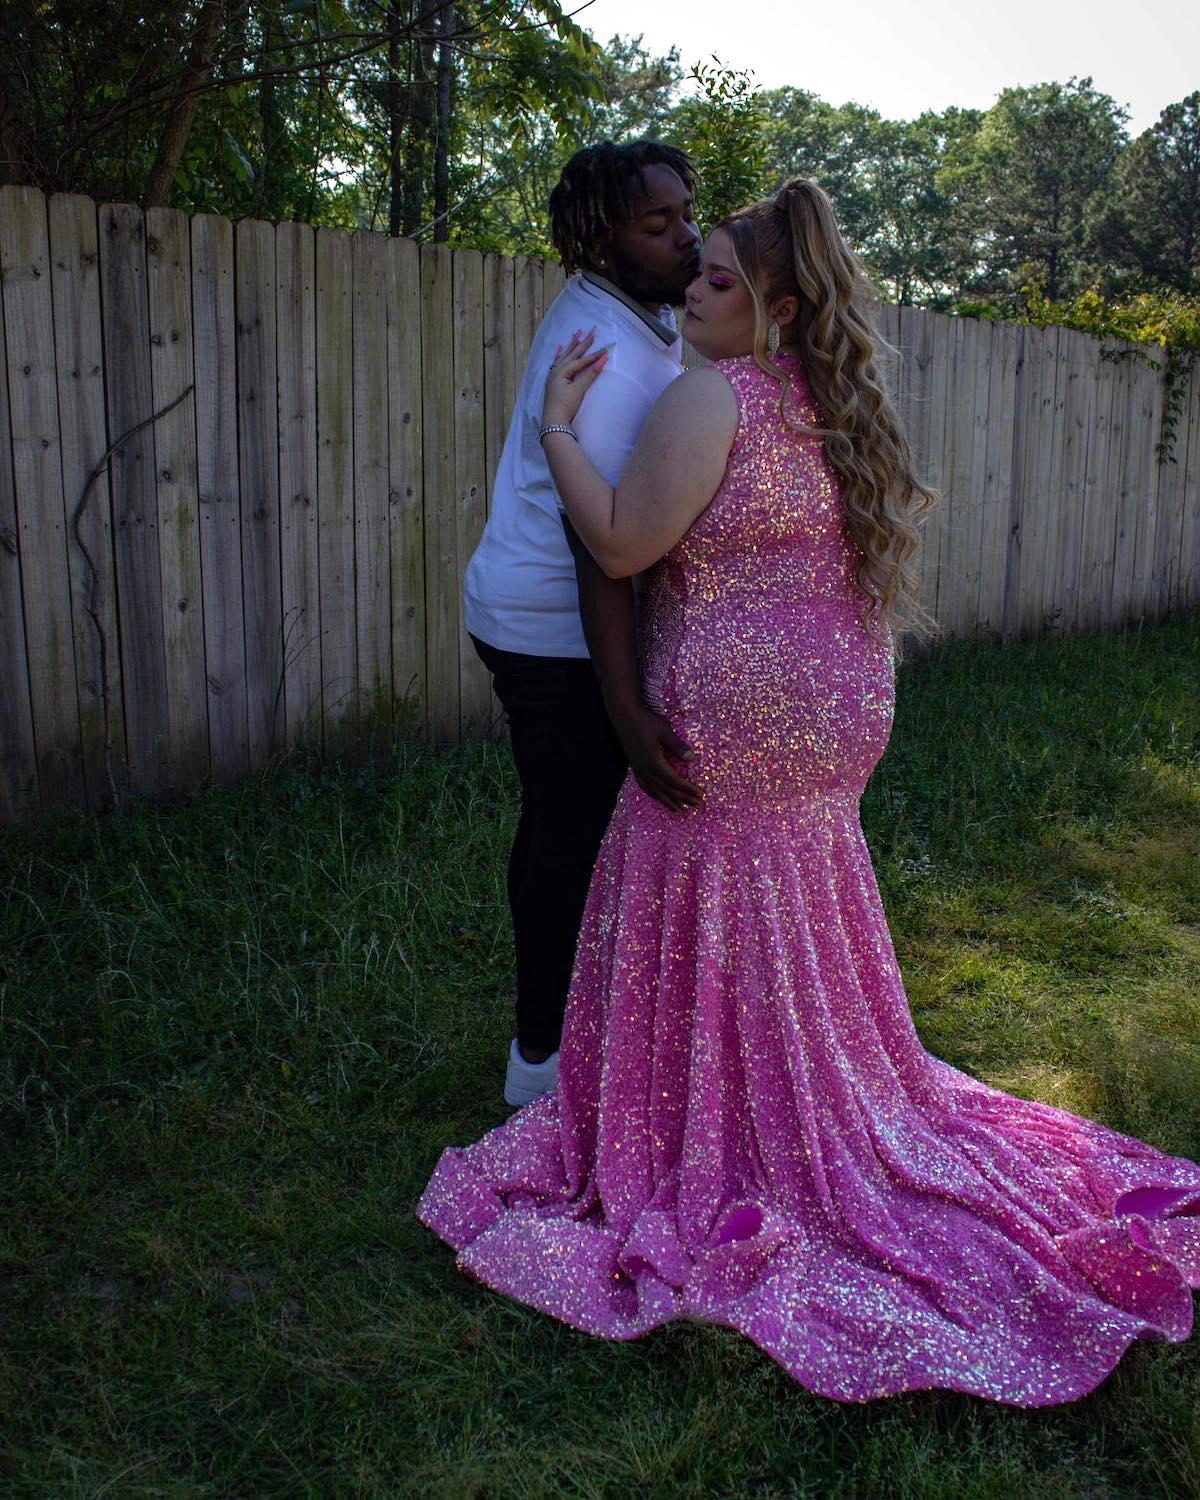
(555, 427)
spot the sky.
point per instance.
(902, 59)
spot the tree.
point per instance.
(723, 129)
(1152, 223)
(1042, 158)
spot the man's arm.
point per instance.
(606, 608)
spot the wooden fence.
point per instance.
(242, 467)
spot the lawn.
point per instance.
(235, 1036)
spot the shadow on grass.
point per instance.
(237, 1034)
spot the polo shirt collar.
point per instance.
(662, 329)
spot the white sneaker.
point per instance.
(524, 1081)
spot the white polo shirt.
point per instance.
(519, 592)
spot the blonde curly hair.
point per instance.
(790, 245)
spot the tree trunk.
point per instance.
(182, 110)
(420, 115)
(395, 113)
(266, 203)
(445, 105)
(13, 167)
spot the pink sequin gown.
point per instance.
(746, 1128)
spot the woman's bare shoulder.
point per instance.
(701, 395)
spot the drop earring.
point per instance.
(773, 339)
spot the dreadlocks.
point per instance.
(596, 189)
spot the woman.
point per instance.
(746, 1128)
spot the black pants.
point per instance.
(571, 766)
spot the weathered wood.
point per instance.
(406, 486)
(374, 400)
(1096, 539)
(335, 490)
(500, 375)
(300, 582)
(553, 281)
(258, 467)
(134, 494)
(443, 569)
(1078, 419)
(934, 460)
(470, 483)
(372, 551)
(168, 280)
(960, 438)
(528, 295)
(38, 487)
(1042, 373)
(1054, 493)
(1185, 591)
(18, 758)
(1148, 423)
(500, 380)
(79, 362)
(1110, 596)
(1169, 477)
(1028, 342)
(961, 555)
(1129, 485)
(996, 493)
(214, 360)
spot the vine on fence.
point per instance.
(1168, 319)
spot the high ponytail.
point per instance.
(790, 245)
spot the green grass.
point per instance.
(235, 1035)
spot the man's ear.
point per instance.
(599, 254)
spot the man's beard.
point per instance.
(645, 286)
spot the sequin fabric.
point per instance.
(747, 1129)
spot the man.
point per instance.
(554, 631)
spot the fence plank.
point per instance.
(214, 360)
(1079, 419)
(1096, 541)
(1147, 426)
(500, 378)
(79, 361)
(372, 551)
(442, 564)
(553, 281)
(1054, 492)
(500, 374)
(406, 486)
(1129, 485)
(299, 580)
(168, 280)
(38, 488)
(1028, 343)
(528, 293)
(470, 484)
(1041, 372)
(970, 534)
(335, 483)
(959, 444)
(995, 496)
(934, 459)
(1169, 476)
(1186, 591)
(18, 758)
(135, 499)
(258, 466)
